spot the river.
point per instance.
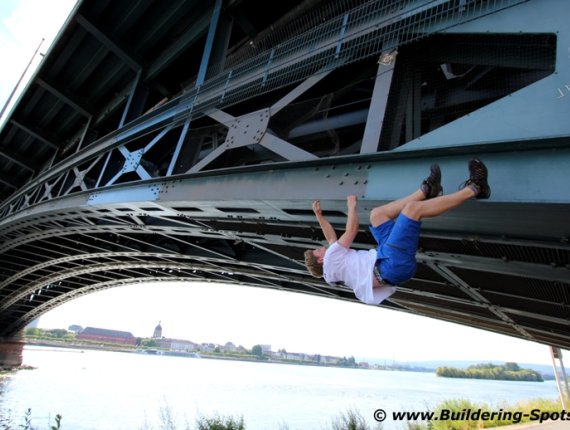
(114, 390)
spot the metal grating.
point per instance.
(554, 256)
(550, 291)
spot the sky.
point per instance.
(207, 312)
(217, 313)
(23, 25)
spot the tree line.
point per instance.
(508, 372)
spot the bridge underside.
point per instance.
(194, 153)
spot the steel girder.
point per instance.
(216, 184)
(299, 64)
(514, 282)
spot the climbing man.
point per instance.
(374, 274)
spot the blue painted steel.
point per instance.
(228, 80)
(268, 67)
(341, 35)
(136, 193)
(103, 169)
(209, 43)
(203, 98)
(538, 111)
(83, 134)
(339, 121)
(179, 146)
(525, 176)
(363, 22)
(130, 99)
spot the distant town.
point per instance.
(75, 336)
(100, 338)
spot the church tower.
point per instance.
(157, 331)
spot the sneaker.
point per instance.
(431, 186)
(478, 179)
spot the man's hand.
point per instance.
(317, 208)
(326, 227)
(351, 202)
(352, 223)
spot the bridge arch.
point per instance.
(205, 154)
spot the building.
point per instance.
(208, 347)
(178, 345)
(327, 359)
(229, 347)
(107, 336)
(157, 332)
(75, 328)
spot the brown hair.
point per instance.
(315, 268)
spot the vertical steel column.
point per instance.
(220, 46)
(393, 128)
(87, 125)
(413, 107)
(341, 35)
(178, 146)
(556, 353)
(103, 169)
(209, 43)
(378, 103)
(136, 92)
(268, 67)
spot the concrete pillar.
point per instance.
(11, 351)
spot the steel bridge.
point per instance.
(185, 140)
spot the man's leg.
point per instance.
(381, 214)
(475, 187)
(434, 207)
(430, 187)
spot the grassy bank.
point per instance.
(504, 414)
(350, 420)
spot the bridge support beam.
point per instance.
(563, 390)
(11, 349)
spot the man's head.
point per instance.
(314, 261)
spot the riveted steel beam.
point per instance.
(108, 42)
(63, 95)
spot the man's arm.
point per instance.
(326, 227)
(352, 223)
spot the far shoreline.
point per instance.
(201, 355)
(209, 356)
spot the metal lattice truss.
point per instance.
(215, 184)
(373, 28)
(214, 228)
